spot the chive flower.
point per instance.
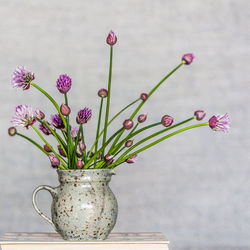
(111, 39)
(142, 118)
(82, 146)
(47, 148)
(132, 159)
(44, 129)
(22, 78)
(64, 83)
(74, 132)
(39, 114)
(129, 143)
(220, 123)
(188, 58)
(103, 93)
(108, 157)
(60, 150)
(65, 110)
(128, 124)
(57, 121)
(79, 164)
(84, 115)
(24, 116)
(144, 96)
(167, 120)
(54, 161)
(199, 115)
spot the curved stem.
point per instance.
(116, 115)
(120, 160)
(51, 148)
(108, 98)
(52, 100)
(149, 94)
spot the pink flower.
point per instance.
(44, 129)
(63, 83)
(111, 39)
(24, 116)
(57, 121)
(84, 115)
(60, 150)
(188, 58)
(74, 132)
(167, 120)
(199, 115)
(220, 123)
(132, 159)
(22, 78)
(39, 114)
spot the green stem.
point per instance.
(83, 141)
(57, 155)
(33, 142)
(112, 121)
(108, 99)
(51, 99)
(98, 125)
(149, 94)
(120, 160)
(74, 158)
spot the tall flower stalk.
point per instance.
(71, 150)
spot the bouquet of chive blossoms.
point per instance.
(72, 152)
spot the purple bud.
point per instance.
(65, 110)
(103, 93)
(108, 157)
(82, 146)
(167, 120)
(61, 152)
(79, 164)
(111, 39)
(39, 114)
(63, 83)
(220, 123)
(12, 131)
(132, 159)
(144, 96)
(188, 58)
(128, 124)
(47, 148)
(57, 121)
(84, 115)
(44, 129)
(142, 118)
(110, 162)
(54, 160)
(199, 114)
(129, 143)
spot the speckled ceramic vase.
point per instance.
(83, 207)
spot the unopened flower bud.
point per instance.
(82, 146)
(54, 161)
(144, 96)
(132, 159)
(99, 156)
(167, 120)
(199, 114)
(110, 162)
(111, 39)
(79, 164)
(39, 114)
(47, 148)
(12, 131)
(65, 110)
(128, 124)
(129, 143)
(188, 58)
(61, 152)
(108, 157)
(103, 93)
(142, 118)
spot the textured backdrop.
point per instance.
(194, 187)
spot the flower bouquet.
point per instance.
(105, 153)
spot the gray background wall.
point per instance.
(194, 187)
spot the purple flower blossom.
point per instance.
(132, 159)
(24, 116)
(220, 123)
(188, 58)
(111, 39)
(22, 77)
(84, 115)
(63, 83)
(60, 150)
(199, 115)
(44, 129)
(54, 160)
(57, 121)
(167, 120)
(39, 114)
(74, 132)
(47, 148)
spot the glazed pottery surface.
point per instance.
(83, 207)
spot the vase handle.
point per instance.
(52, 192)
